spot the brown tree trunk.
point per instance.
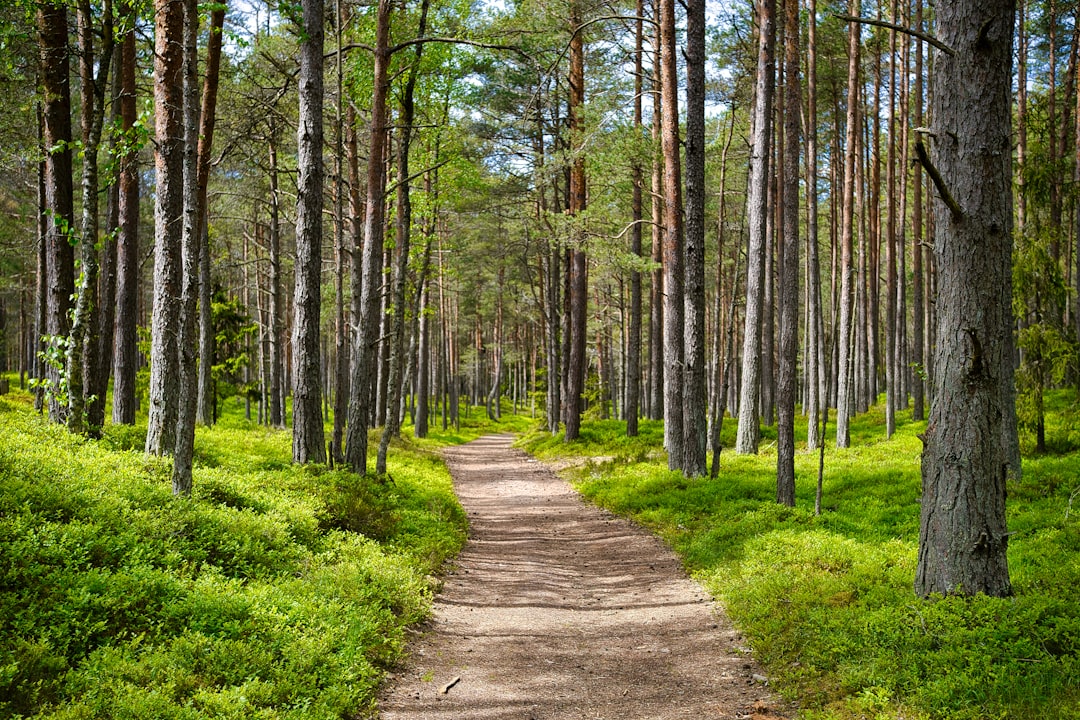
(757, 214)
(579, 287)
(789, 271)
(127, 242)
(918, 410)
(277, 299)
(168, 219)
(966, 457)
(308, 437)
(815, 348)
(207, 117)
(633, 345)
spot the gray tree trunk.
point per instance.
(966, 455)
(308, 436)
(364, 344)
(815, 354)
(578, 294)
(695, 401)
(757, 211)
(789, 271)
(187, 341)
(632, 403)
(845, 362)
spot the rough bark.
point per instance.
(168, 224)
(695, 405)
(815, 353)
(656, 287)
(632, 402)
(187, 341)
(308, 437)
(127, 239)
(789, 271)
(277, 300)
(579, 286)
(918, 410)
(207, 118)
(364, 344)
(845, 361)
(757, 212)
(966, 458)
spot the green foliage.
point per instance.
(826, 603)
(269, 593)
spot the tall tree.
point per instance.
(789, 271)
(127, 241)
(845, 362)
(59, 202)
(672, 242)
(370, 288)
(168, 224)
(815, 332)
(757, 212)
(966, 455)
(578, 295)
(633, 346)
(694, 406)
(308, 435)
(207, 122)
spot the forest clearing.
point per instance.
(792, 284)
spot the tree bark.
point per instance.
(579, 284)
(633, 346)
(308, 436)
(127, 239)
(757, 212)
(187, 341)
(845, 362)
(168, 219)
(695, 404)
(815, 352)
(789, 272)
(966, 458)
(371, 264)
(207, 118)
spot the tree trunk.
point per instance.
(757, 214)
(633, 346)
(579, 285)
(187, 342)
(789, 271)
(207, 117)
(127, 239)
(371, 288)
(845, 362)
(168, 224)
(656, 288)
(918, 410)
(308, 438)
(815, 352)
(695, 405)
(966, 458)
(277, 299)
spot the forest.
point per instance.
(814, 265)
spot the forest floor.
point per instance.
(558, 609)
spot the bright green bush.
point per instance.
(273, 592)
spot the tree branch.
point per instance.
(901, 29)
(939, 182)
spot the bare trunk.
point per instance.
(966, 458)
(633, 347)
(308, 435)
(579, 286)
(168, 224)
(789, 271)
(757, 214)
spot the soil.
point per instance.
(558, 609)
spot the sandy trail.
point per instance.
(557, 609)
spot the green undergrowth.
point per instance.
(826, 602)
(275, 591)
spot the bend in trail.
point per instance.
(558, 609)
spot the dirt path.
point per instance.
(556, 609)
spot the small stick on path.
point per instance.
(452, 683)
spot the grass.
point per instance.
(827, 603)
(275, 591)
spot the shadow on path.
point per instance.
(558, 609)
